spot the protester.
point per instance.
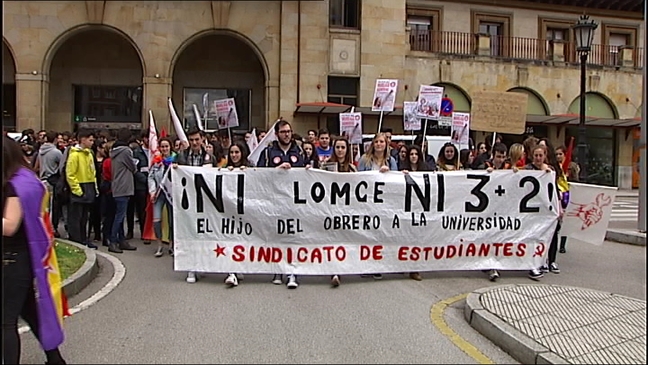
(25, 288)
(123, 166)
(158, 196)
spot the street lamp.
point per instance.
(584, 34)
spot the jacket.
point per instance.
(364, 165)
(123, 167)
(156, 175)
(274, 156)
(50, 157)
(141, 174)
(206, 159)
(80, 175)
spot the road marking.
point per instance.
(436, 316)
(118, 275)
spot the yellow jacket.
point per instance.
(80, 170)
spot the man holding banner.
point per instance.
(284, 153)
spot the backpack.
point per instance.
(62, 188)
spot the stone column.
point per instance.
(156, 93)
(272, 104)
(30, 101)
(626, 56)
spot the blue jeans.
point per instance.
(157, 216)
(117, 231)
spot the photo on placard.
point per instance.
(329, 166)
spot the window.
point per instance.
(613, 37)
(423, 26)
(344, 13)
(341, 90)
(497, 26)
(550, 30)
(120, 104)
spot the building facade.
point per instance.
(107, 63)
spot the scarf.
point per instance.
(49, 295)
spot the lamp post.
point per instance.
(584, 34)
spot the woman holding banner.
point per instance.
(27, 262)
(237, 157)
(377, 158)
(448, 159)
(158, 195)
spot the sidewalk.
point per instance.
(625, 232)
(552, 324)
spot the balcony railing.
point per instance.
(457, 43)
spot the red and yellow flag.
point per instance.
(54, 278)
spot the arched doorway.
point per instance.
(536, 105)
(218, 66)
(601, 141)
(95, 82)
(8, 89)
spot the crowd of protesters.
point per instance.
(101, 181)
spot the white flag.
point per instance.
(253, 142)
(153, 138)
(198, 119)
(267, 139)
(176, 123)
(588, 213)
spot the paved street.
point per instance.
(153, 316)
(625, 209)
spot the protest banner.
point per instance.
(226, 113)
(429, 102)
(410, 121)
(500, 112)
(351, 127)
(588, 212)
(460, 129)
(315, 222)
(384, 95)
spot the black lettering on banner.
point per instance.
(410, 185)
(440, 192)
(524, 203)
(240, 190)
(378, 192)
(317, 192)
(201, 186)
(476, 191)
(396, 221)
(361, 198)
(337, 192)
(296, 194)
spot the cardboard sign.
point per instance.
(500, 112)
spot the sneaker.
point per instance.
(277, 279)
(147, 242)
(292, 282)
(91, 245)
(159, 252)
(544, 269)
(554, 268)
(335, 281)
(535, 274)
(231, 280)
(493, 275)
(415, 276)
(191, 277)
(171, 252)
(377, 276)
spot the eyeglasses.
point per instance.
(285, 132)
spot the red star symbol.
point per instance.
(219, 250)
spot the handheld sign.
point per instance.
(501, 112)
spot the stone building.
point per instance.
(106, 63)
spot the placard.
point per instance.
(316, 222)
(460, 132)
(429, 102)
(500, 112)
(410, 121)
(384, 95)
(351, 127)
(226, 113)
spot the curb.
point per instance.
(521, 347)
(86, 273)
(626, 236)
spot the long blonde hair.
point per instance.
(369, 156)
(516, 153)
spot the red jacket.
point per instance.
(106, 175)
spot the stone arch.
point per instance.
(8, 86)
(596, 104)
(95, 79)
(536, 104)
(225, 32)
(218, 64)
(460, 98)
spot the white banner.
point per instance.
(315, 222)
(384, 95)
(429, 102)
(588, 213)
(351, 127)
(410, 121)
(226, 113)
(460, 129)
